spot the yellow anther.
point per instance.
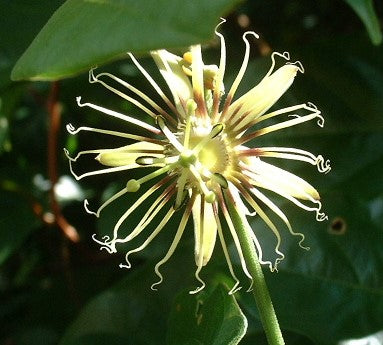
(209, 74)
(188, 57)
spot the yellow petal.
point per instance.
(205, 231)
(260, 98)
(127, 155)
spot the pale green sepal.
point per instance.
(260, 98)
(282, 180)
(209, 231)
(171, 70)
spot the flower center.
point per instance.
(203, 161)
(213, 156)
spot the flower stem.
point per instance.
(260, 291)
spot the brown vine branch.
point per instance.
(54, 113)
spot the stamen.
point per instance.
(149, 215)
(216, 130)
(154, 84)
(219, 87)
(233, 233)
(119, 116)
(280, 214)
(169, 135)
(299, 65)
(105, 244)
(137, 203)
(72, 130)
(235, 288)
(106, 203)
(196, 275)
(181, 182)
(277, 127)
(197, 81)
(289, 153)
(156, 231)
(265, 218)
(284, 55)
(306, 106)
(175, 242)
(239, 77)
(134, 185)
(209, 195)
(95, 79)
(191, 106)
(186, 158)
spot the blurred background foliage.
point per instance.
(55, 284)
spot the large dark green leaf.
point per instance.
(85, 33)
(211, 317)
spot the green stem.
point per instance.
(260, 291)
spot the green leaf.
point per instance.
(366, 12)
(208, 318)
(84, 33)
(17, 33)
